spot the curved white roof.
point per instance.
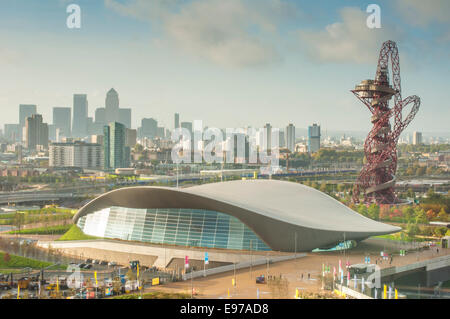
(292, 203)
(277, 211)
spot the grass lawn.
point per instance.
(75, 233)
(52, 230)
(16, 262)
(398, 237)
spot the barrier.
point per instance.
(246, 264)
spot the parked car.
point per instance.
(95, 261)
(88, 266)
(261, 279)
(88, 261)
(103, 263)
(112, 264)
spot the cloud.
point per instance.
(232, 33)
(349, 40)
(421, 13)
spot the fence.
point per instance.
(246, 264)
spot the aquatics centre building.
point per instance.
(239, 215)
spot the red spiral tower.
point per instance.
(377, 178)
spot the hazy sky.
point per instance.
(229, 63)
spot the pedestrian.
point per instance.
(309, 276)
(437, 250)
(302, 276)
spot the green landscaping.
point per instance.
(401, 236)
(75, 233)
(8, 261)
(52, 230)
(155, 295)
(43, 215)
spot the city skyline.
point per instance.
(142, 52)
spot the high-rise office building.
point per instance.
(125, 117)
(290, 137)
(116, 154)
(281, 139)
(25, 111)
(12, 132)
(62, 120)
(80, 115)
(112, 106)
(267, 138)
(36, 132)
(417, 138)
(52, 132)
(149, 128)
(100, 116)
(130, 137)
(160, 132)
(177, 121)
(187, 126)
(313, 138)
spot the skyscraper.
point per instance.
(130, 137)
(62, 120)
(125, 117)
(116, 154)
(112, 106)
(25, 111)
(313, 138)
(187, 126)
(149, 128)
(290, 137)
(267, 138)
(177, 121)
(36, 132)
(12, 132)
(100, 116)
(80, 115)
(417, 138)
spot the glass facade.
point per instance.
(184, 227)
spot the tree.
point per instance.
(420, 171)
(362, 209)
(411, 193)
(412, 229)
(442, 216)
(374, 211)
(408, 213)
(323, 187)
(440, 231)
(421, 217)
(431, 214)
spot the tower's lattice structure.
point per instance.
(377, 178)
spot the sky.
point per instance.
(229, 63)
